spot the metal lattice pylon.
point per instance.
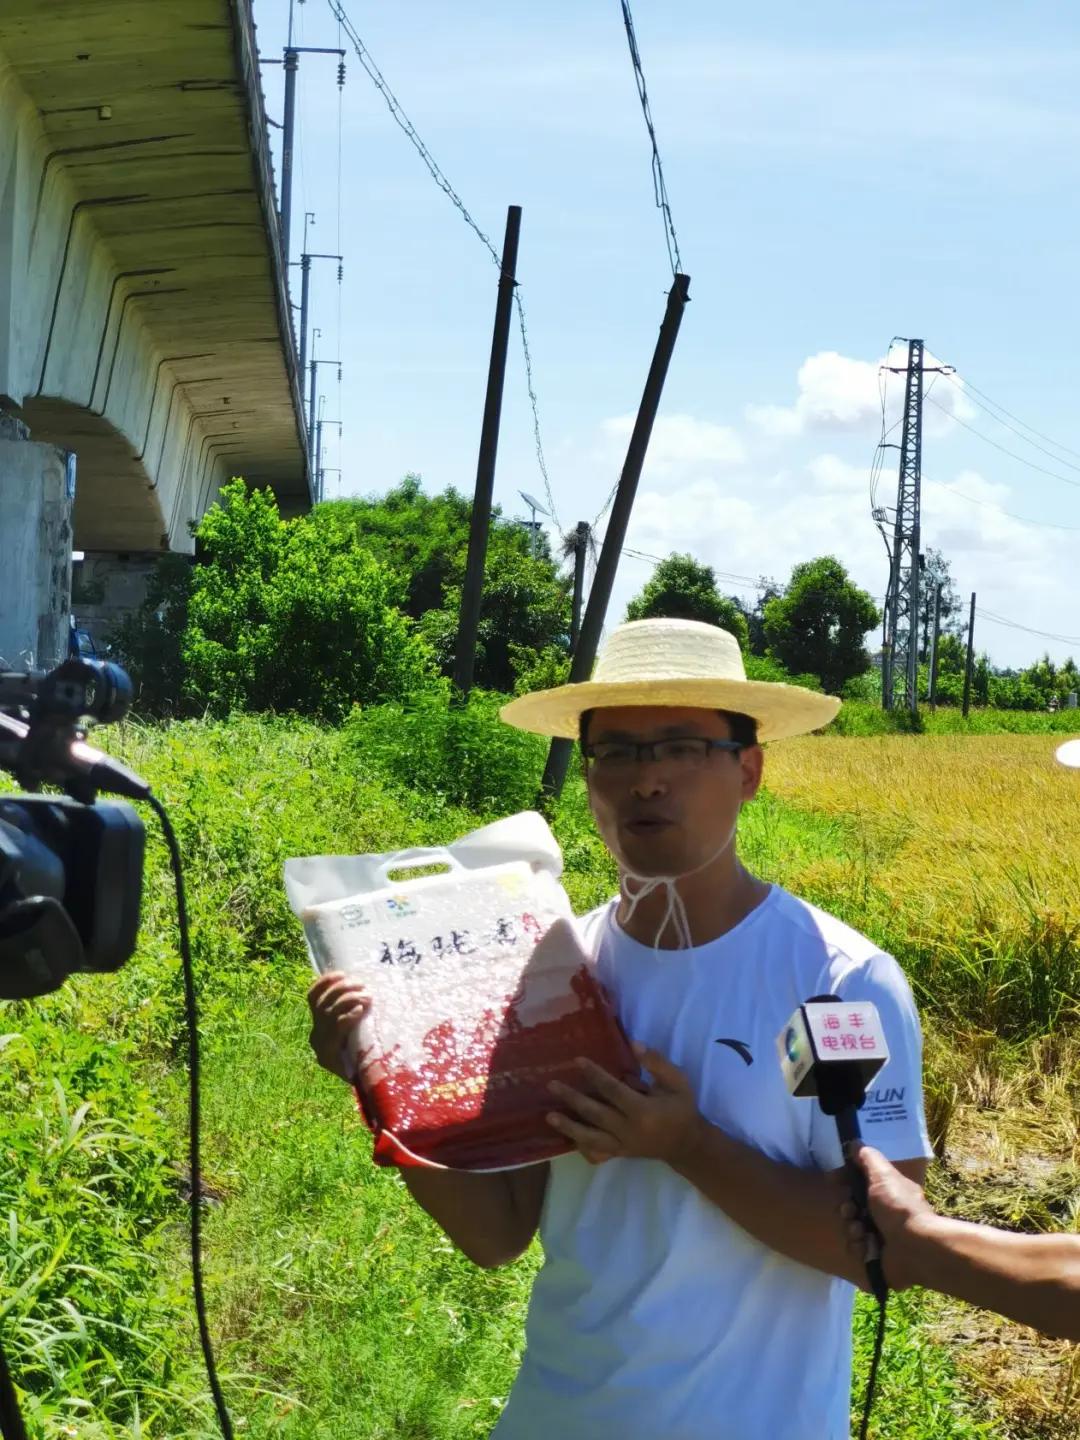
(900, 673)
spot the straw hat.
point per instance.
(1069, 754)
(673, 662)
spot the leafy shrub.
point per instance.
(293, 616)
(457, 754)
(769, 669)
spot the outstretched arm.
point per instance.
(1034, 1279)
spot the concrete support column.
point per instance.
(36, 497)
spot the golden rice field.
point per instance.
(960, 852)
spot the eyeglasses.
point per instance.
(684, 752)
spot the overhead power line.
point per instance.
(403, 122)
(659, 185)
(985, 402)
(1053, 474)
(1027, 629)
(1000, 510)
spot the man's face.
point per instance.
(668, 815)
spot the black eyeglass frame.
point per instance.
(646, 749)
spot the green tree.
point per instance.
(936, 572)
(819, 624)
(293, 615)
(681, 588)
(423, 540)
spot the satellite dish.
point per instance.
(534, 505)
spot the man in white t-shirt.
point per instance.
(695, 1282)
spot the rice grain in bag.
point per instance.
(480, 992)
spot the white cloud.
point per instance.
(679, 441)
(755, 504)
(837, 393)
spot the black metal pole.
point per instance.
(318, 459)
(311, 415)
(970, 655)
(472, 589)
(934, 647)
(593, 623)
(292, 61)
(581, 546)
(305, 286)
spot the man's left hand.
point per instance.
(660, 1121)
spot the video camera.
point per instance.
(71, 866)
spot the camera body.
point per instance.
(70, 890)
(71, 865)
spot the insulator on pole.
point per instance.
(341, 74)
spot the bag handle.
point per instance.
(414, 858)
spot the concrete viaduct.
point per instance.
(146, 346)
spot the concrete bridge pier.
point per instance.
(37, 492)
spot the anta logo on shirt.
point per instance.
(741, 1049)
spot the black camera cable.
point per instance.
(195, 1153)
(11, 1421)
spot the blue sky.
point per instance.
(838, 174)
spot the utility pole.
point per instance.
(900, 668)
(614, 537)
(292, 65)
(581, 548)
(970, 657)
(305, 287)
(313, 369)
(932, 683)
(472, 588)
(318, 459)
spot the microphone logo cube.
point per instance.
(831, 1037)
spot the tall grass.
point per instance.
(961, 855)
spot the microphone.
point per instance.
(832, 1049)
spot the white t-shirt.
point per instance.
(655, 1317)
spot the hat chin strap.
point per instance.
(675, 914)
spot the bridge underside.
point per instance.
(147, 325)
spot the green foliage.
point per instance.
(818, 625)
(441, 753)
(293, 615)
(769, 670)
(863, 717)
(421, 539)
(681, 588)
(524, 611)
(540, 672)
(951, 609)
(424, 540)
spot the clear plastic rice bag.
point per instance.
(480, 992)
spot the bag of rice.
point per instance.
(480, 992)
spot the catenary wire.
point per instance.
(659, 184)
(403, 122)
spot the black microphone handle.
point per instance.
(847, 1127)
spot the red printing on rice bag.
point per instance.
(480, 1099)
(477, 1003)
